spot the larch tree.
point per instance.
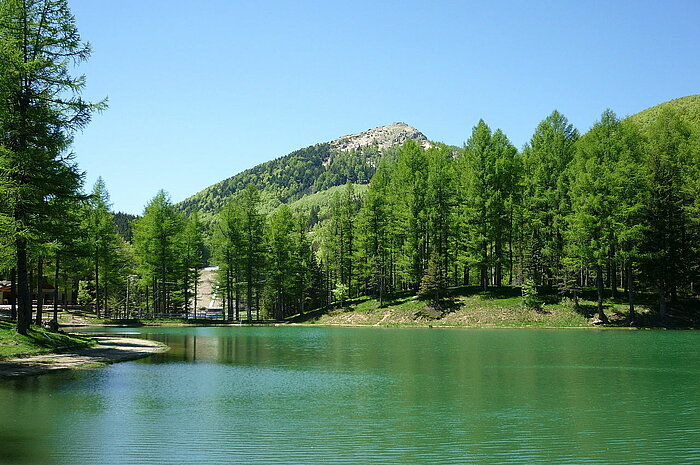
(104, 242)
(190, 246)
(668, 234)
(591, 233)
(155, 243)
(440, 203)
(408, 195)
(228, 254)
(41, 109)
(253, 247)
(374, 221)
(545, 197)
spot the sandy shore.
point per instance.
(108, 350)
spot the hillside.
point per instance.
(309, 170)
(687, 107)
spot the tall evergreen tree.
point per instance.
(41, 109)
(253, 247)
(545, 200)
(374, 220)
(104, 242)
(284, 260)
(440, 201)
(668, 237)
(190, 246)
(594, 194)
(488, 189)
(342, 244)
(228, 253)
(408, 195)
(155, 242)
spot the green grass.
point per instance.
(497, 308)
(37, 341)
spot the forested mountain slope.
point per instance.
(688, 109)
(306, 171)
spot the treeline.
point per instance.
(614, 209)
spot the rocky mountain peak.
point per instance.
(382, 137)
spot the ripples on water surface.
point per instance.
(343, 395)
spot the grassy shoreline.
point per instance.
(38, 341)
(470, 307)
(465, 307)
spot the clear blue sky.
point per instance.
(199, 91)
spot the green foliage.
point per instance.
(490, 174)
(545, 197)
(340, 293)
(672, 170)
(84, 294)
(433, 282)
(125, 225)
(40, 110)
(686, 108)
(531, 297)
(289, 178)
(156, 246)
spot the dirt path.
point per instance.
(108, 350)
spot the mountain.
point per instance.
(309, 170)
(687, 107)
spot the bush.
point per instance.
(532, 300)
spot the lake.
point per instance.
(367, 395)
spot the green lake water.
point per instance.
(368, 395)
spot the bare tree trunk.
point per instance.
(98, 302)
(24, 311)
(196, 282)
(55, 291)
(229, 292)
(499, 268)
(663, 309)
(13, 295)
(39, 291)
(186, 287)
(237, 288)
(630, 294)
(613, 272)
(602, 318)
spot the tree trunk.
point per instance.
(630, 294)
(229, 292)
(249, 288)
(484, 269)
(196, 282)
(238, 295)
(498, 278)
(55, 291)
(602, 318)
(39, 291)
(663, 310)
(24, 310)
(186, 288)
(97, 283)
(13, 295)
(613, 274)
(105, 301)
